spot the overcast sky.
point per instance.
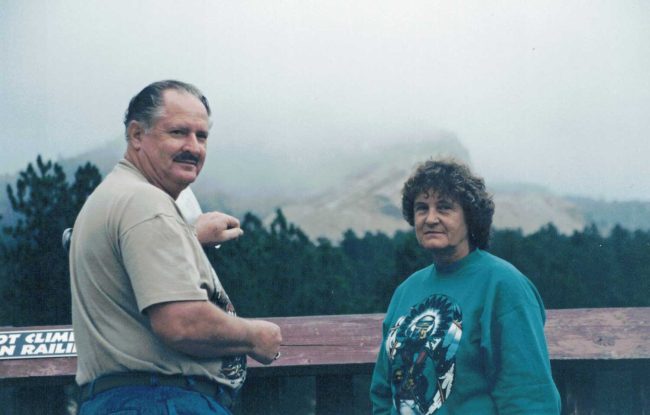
(555, 93)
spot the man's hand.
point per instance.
(213, 228)
(266, 338)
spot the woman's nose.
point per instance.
(432, 217)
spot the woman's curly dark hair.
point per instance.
(452, 179)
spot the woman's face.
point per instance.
(440, 226)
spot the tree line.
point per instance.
(277, 270)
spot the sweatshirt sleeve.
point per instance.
(381, 394)
(520, 369)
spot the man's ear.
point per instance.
(135, 131)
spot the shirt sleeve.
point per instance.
(380, 390)
(520, 368)
(161, 262)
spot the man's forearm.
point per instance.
(201, 329)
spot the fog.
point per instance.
(547, 92)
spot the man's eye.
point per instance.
(179, 132)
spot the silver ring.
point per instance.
(277, 356)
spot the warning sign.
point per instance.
(31, 344)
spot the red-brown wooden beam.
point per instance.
(344, 344)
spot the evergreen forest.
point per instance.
(277, 270)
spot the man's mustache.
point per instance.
(187, 156)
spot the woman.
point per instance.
(464, 335)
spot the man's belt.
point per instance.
(196, 383)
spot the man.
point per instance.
(154, 329)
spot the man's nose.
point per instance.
(192, 143)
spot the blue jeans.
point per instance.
(151, 400)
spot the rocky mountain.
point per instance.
(371, 202)
(529, 208)
(358, 188)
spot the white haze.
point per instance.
(554, 93)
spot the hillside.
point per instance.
(370, 202)
(359, 188)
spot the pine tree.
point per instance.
(34, 268)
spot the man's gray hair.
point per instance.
(147, 105)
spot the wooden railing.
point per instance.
(600, 359)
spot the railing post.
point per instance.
(642, 382)
(260, 395)
(334, 395)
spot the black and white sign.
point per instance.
(30, 344)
